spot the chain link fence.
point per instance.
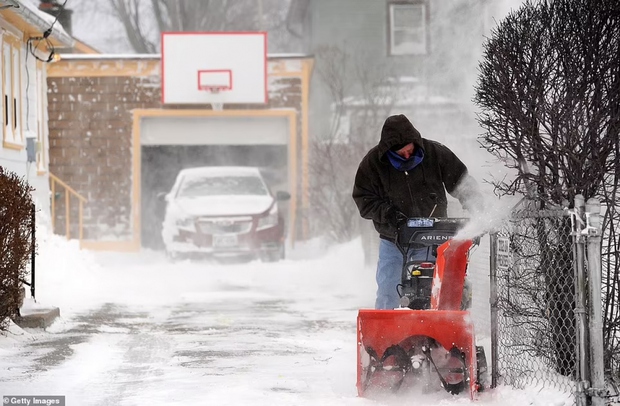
(535, 301)
(542, 288)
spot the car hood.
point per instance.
(225, 205)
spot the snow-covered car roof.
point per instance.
(219, 171)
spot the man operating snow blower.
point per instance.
(401, 186)
(402, 177)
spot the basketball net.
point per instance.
(217, 106)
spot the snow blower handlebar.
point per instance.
(420, 232)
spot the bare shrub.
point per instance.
(15, 241)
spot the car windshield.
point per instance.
(222, 185)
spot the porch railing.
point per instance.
(69, 191)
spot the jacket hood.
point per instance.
(397, 130)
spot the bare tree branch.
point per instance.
(361, 98)
(144, 20)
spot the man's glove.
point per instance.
(397, 218)
(401, 218)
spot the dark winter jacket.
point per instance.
(381, 191)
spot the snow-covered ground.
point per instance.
(136, 329)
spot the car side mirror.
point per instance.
(163, 196)
(281, 195)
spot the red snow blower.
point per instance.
(428, 341)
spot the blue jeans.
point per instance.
(389, 273)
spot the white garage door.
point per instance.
(214, 131)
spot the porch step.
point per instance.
(36, 315)
(37, 318)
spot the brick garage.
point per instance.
(91, 121)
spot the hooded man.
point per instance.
(406, 176)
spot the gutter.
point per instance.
(42, 24)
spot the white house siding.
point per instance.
(32, 123)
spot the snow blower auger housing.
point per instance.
(428, 341)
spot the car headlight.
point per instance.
(270, 220)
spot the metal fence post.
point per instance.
(578, 224)
(597, 370)
(33, 250)
(493, 303)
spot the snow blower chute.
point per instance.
(429, 340)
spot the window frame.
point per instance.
(12, 109)
(41, 93)
(423, 47)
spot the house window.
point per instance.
(407, 28)
(11, 92)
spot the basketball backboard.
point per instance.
(214, 67)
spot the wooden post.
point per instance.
(53, 214)
(81, 222)
(67, 215)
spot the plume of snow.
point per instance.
(496, 212)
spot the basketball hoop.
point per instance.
(214, 90)
(230, 68)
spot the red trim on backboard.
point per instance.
(263, 33)
(214, 32)
(230, 77)
(161, 70)
(266, 73)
